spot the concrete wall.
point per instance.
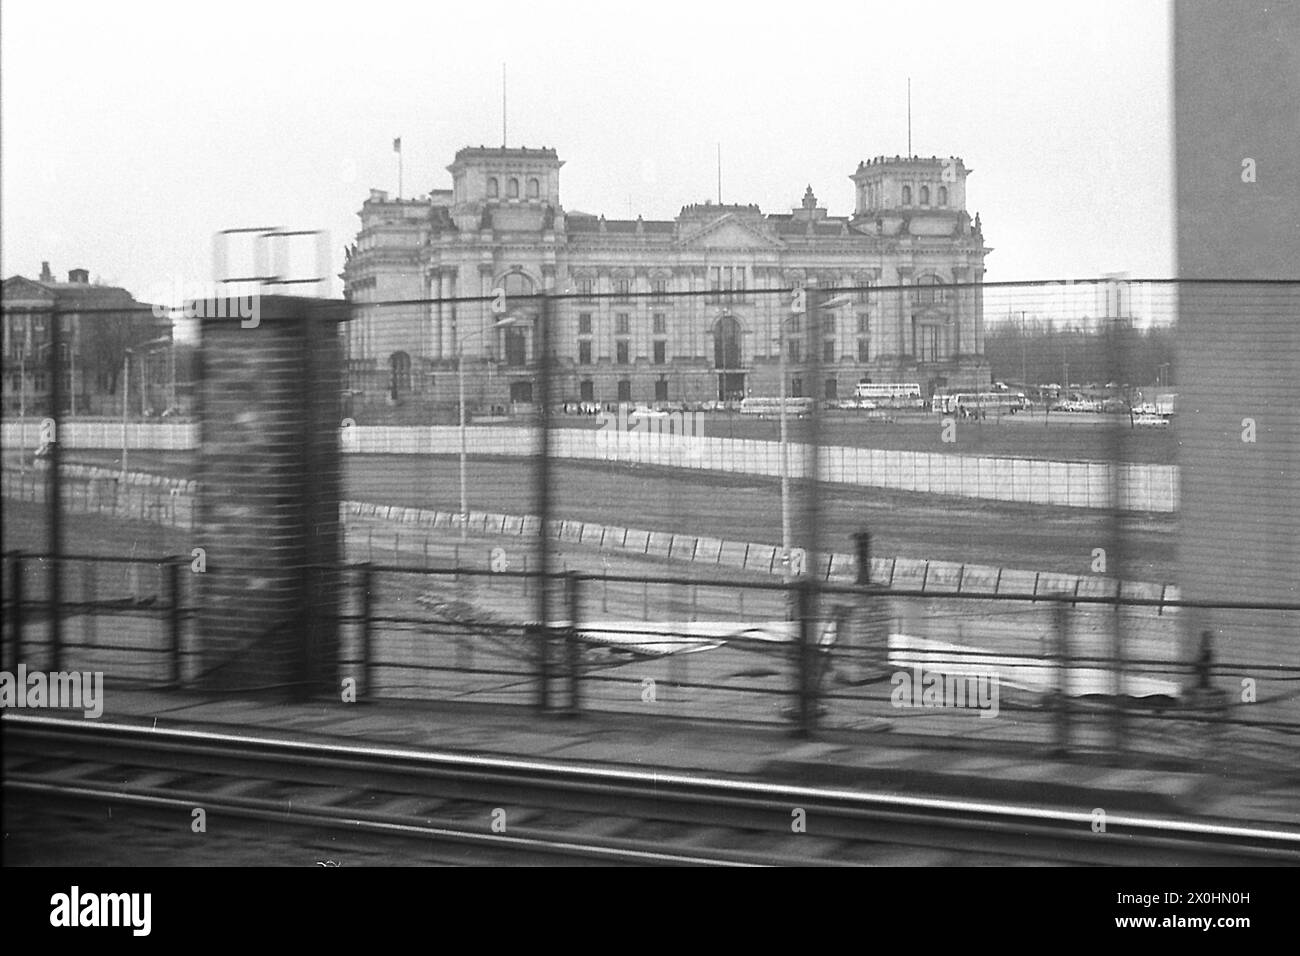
(1073, 484)
(93, 490)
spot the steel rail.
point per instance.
(991, 822)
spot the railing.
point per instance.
(1057, 671)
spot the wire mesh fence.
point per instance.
(661, 470)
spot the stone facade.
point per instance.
(93, 346)
(681, 310)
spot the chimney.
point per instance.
(46, 274)
(79, 276)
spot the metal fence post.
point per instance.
(172, 571)
(573, 602)
(364, 635)
(16, 609)
(862, 549)
(541, 634)
(1061, 657)
(804, 650)
(54, 494)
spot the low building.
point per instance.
(98, 324)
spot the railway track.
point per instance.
(455, 808)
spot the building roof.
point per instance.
(70, 294)
(787, 225)
(505, 152)
(709, 209)
(585, 223)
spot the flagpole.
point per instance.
(397, 148)
(909, 117)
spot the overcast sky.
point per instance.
(133, 131)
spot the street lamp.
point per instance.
(832, 303)
(460, 379)
(785, 451)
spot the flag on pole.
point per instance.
(397, 145)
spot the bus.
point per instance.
(771, 407)
(895, 394)
(973, 404)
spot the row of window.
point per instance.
(37, 352)
(659, 323)
(587, 389)
(38, 382)
(512, 188)
(586, 288)
(925, 195)
(794, 351)
(726, 284)
(623, 323)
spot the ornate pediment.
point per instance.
(20, 288)
(729, 232)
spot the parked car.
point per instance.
(1151, 421)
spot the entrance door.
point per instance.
(731, 386)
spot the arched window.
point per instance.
(534, 188)
(512, 188)
(907, 195)
(493, 189)
(517, 284)
(943, 195)
(925, 195)
(928, 290)
(726, 343)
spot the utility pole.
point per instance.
(22, 402)
(126, 393)
(1024, 375)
